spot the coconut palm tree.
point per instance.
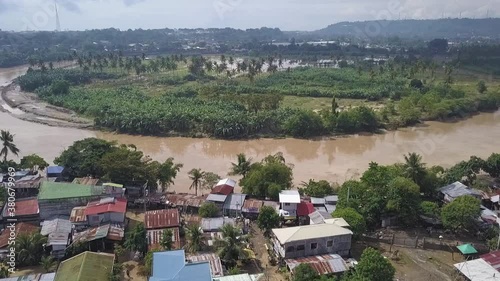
(196, 175)
(7, 140)
(242, 167)
(29, 249)
(194, 238)
(48, 263)
(414, 168)
(231, 246)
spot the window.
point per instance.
(301, 247)
(314, 246)
(287, 204)
(329, 243)
(290, 249)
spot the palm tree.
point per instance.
(29, 249)
(242, 167)
(7, 140)
(196, 175)
(167, 173)
(166, 241)
(414, 168)
(194, 238)
(231, 246)
(48, 263)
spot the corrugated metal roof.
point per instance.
(32, 181)
(106, 205)
(252, 206)
(458, 189)
(324, 264)
(478, 270)
(78, 215)
(86, 181)
(54, 169)
(185, 200)
(116, 232)
(235, 201)
(32, 277)
(21, 228)
(305, 232)
(161, 219)
(56, 226)
(213, 259)
(214, 224)
(241, 277)
(228, 182)
(332, 199)
(23, 207)
(222, 189)
(219, 198)
(92, 234)
(316, 218)
(58, 238)
(318, 201)
(177, 268)
(273, 204)
(304, 209)
(154, 237)
(493, 259)
(330, 208)
(289, 196)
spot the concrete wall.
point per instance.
(340, 245)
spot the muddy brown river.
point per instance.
(334, 160)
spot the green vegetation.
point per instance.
(208, 210)
(29, 249)
(430, 209)
(8, 145)
(461, 214)
(167, 240)
(33, 160)
(319, 189)
(136, 239)
(354, 219)
(231, 247)
(194, 237)
(268, 219)
(374, 267)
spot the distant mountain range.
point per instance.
(424, 29)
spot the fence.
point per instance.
(422, 242)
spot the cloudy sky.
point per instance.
(285, 14)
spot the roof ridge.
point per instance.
(295, 232)
(81, 265)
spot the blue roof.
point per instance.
(172, 266)
(54, 169)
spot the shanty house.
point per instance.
(58, 232)
(106, 210)
(178, 269)
(156, 222)
(214, 224)
(28, 186)
(289, 200)
(311, 240)
(457, 189)
(86, 266)
(20, 229)
(59, 199)
(25, 210)
(233, 204)
(217, 199)
(224, 187)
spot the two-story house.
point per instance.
(311, 240)
(289, 199)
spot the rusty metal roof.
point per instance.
(213, 259)
(116, 232)
(324, 264)
(32, 181)
(21, 228)
(161, 219)
(154, 237)
(78, 215)
(252, 205)
(185, 200)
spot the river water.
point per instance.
(333, 159)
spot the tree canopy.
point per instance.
(268, 218)
(319, 189)
(374, 267)
(354, 219)
(462, 213)
(136, 239)
(208, 210)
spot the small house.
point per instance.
(215, 224)
(157, 222)
(106, 210)
(86, 266)
(251, 208)
(55, 171)
(224, 187)
(19, 229)
(28, 186)
(233, 204)
(457, 189)
(78, 218)
(59, 233)
(217, 199)
(25, 210)
(178, 269)
(289, 200)
(311, 240)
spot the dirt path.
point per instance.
(259, 242)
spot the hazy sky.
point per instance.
(285, 14)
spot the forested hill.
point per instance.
(425, 29)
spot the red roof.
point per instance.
(106, 205)
(21, 229)
(223, 189)
(161, 219)
(492, 259)
(24, 207)
(304, 209)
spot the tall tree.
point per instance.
(167, 241)
(414, 168)
(242, 167)
(356, 221)
(194, 238)
(374, 267)
(461, 214)
(8, 145)
(230, 247)
(196, 175)
(167, 173)
(136, 239)
(268, 219)
(29, 249)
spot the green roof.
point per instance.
(87, 266)
(62, 190)
(467, 249)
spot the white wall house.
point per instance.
(289, 199)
